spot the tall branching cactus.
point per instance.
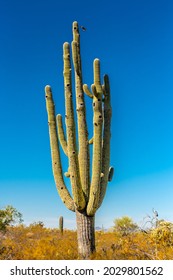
(87, 193)
(61, 224)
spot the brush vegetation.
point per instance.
(36, 242)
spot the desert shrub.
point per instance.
(8, 216)
(35, 242)
(124, 225)
(38, 243)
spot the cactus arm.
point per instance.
(93, 87)
(67, 174)
(111, 173)
(56, 161)
(97, 142)
(78, 195)
(91, 141)
(108, 172)
(87, 91)
(61, 134)
(75, 57)
(83, 144)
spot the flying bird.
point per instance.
(83, 28)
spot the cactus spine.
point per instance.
(87, 193)
(61, 224)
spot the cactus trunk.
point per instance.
(85, 234)
(87, 193)
(61, 224)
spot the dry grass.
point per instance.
(40, 243)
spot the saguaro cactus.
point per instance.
(87, 193)
(61, 224)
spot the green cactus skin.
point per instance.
(97, 142)
(56, 162)
(87, 91)
(61, 134)
(83, 155)
(61, 224)
(87, 193)
(107, 112)
(78, 195)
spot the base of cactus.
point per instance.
(85, 235)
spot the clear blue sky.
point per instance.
(134, 42)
